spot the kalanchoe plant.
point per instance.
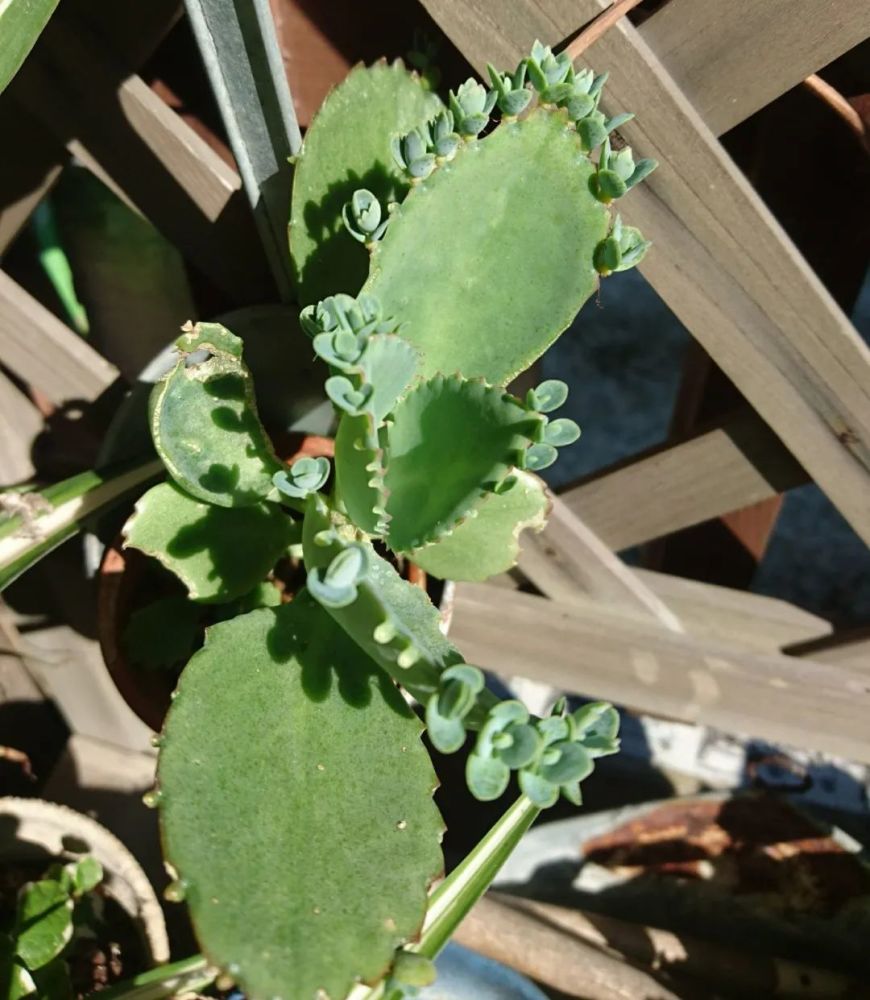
(295, 795)
(34, 945)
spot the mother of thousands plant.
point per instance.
(436, 258)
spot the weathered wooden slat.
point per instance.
(132, 31)
(163, 167)
(567, 559)
(667, 488)
(20, 422)
(722, 262)
(609, 654)
(730, 59)
(733, 277)
(37, 347)
(737, 616)
(755, 621)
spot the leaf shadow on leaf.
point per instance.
(339, 263)
(326, 654)
(221, 533)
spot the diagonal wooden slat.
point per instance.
(739, 462)
(736, 616)
(606, 653)
(162, 166)
(723, 264)
(37, 347)
(567, 559)
(730, 59)
(132, 32)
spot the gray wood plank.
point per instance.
(739, 462)
(605, 653)
(730, 59)
(41, 350)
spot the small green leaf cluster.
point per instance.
(33, 947)
(551, 756)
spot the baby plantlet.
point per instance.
(438, 256)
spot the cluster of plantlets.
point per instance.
(34, 945)
(437, 257)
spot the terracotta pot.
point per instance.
(120, 580)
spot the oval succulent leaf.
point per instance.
(335, 587)
(540, 456)
(561, 432)
(306, 475)
(514, 284)
(333, 757)
(205, 426)
(347, 398)
(218, 553)
(548, 396)
(347, 146)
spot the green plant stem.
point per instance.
(188, 975)
(26, 538)
(463, 887)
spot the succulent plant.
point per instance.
(291, 771)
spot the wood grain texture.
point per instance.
(738, 462)
(159, 163)
(41, 350)
(730, 59)
(737, 616)
(606, 653)
(20, 422)
(736, 281)
(132, 31)
(567, 559)
(748, 620)
(722, 263)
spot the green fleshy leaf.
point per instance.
(346, 147)
(542, 792)
(44, 922)
(21, 982)
(388, 364)
(393, 621)
(282, 718)
(449, 441)
(489, 259)
(164, 633)
(359, 472)
(21, 22)
(218, 553)
(540, 456)
(87, 874)
(487, 777)
(205, 425)
(561, 432)
(489, 542)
